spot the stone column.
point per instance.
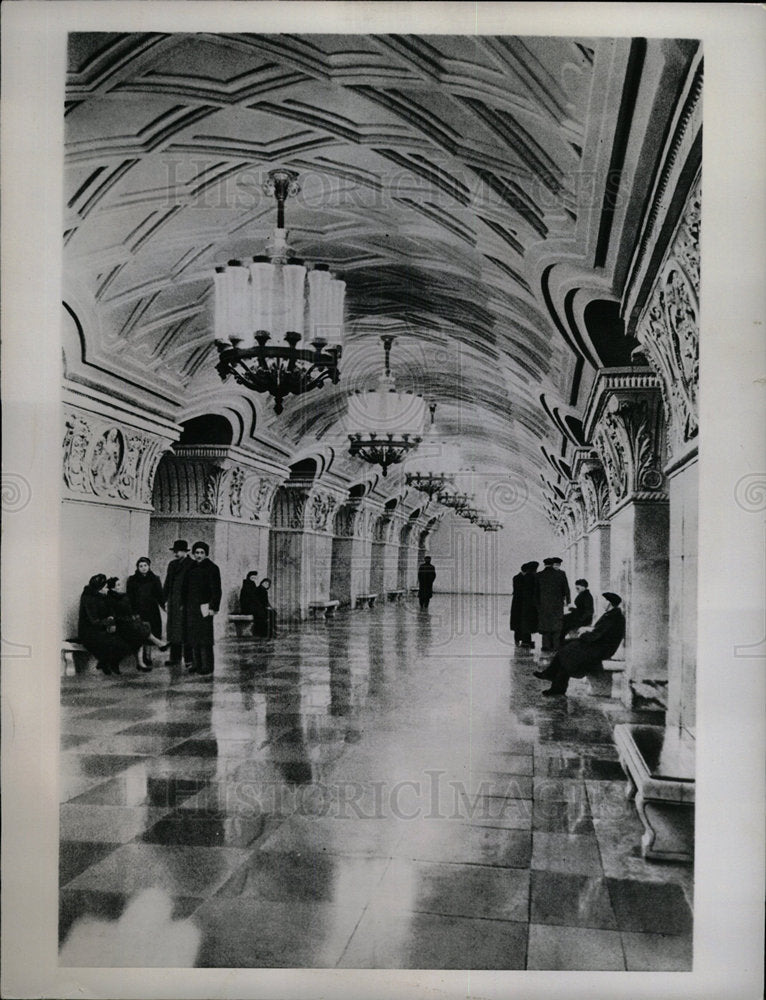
(220, 495)
(668, 331)
(109, 460)
(625, 423)
(595, 506)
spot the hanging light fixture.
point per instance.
(390, 423)
(456, 500)
(267, 300)
(489, 524)
(430, 455)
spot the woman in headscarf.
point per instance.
(247, 598)
(144, 590)
(97, 628)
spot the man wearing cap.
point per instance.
(523, 609)
(551, 596)
(581, 612)
(172, 591)
(201, 598)
(584, 654)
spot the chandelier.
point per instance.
(489, 524)
(456, 500)
(267, 300)
(431, 452)
(390, 422)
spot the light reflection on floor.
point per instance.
(382, 790)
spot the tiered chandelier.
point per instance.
(431, 452)
(457, 501)
(489, 524)
(390, 423)
(267, 300)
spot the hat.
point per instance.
(614, 599)
(180, 546)
(97, 582)
(547, 562)
(555, 559)
(532, 565)
(202, 545)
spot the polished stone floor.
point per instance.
(386, 789)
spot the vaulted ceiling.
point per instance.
(444, 178)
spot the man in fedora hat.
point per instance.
(584, 654)
(172, 592)
(551, 596)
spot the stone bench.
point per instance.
(607, 683)
(327, 606)
(69, 649)
(369, 599)
(395, 595)
(240, 622)
(659, 765)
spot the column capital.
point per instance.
(625, 422)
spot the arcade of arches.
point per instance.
(522, 214)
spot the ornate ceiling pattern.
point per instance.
(436, 173)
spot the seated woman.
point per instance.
(97, 629)
(130, 627)
(255, 601)
(584, 654)
(144, 591)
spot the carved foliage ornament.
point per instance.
(669, 329)
(322, 507)
(109, 462)
(628, 439)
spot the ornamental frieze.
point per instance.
(109, 462)
(321, 509)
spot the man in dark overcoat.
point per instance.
(201, 597)
(174, 580)
(584, 654)
(523, 607)
(551, 595)
(581, 613)
(426, 577)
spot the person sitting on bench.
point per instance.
(580, 613)
(584, 654)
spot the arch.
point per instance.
(209, 428)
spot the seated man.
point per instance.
(580, 613)
(584, 654)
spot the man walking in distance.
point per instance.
(551, 595)
(174, 579)
(201, 597)
(426, 576)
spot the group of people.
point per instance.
(113, 624)
(538, 606)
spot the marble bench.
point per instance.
(395, 595)
(659, 765)
(240, 622)
(69, 648)
(369, 599)
(328, 607)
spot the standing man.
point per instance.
(201, 598)
(523, 608)
(174, 580)
(551, 595)
(426, 576)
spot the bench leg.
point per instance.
(329, 612)
(69, 665)
(668, 830)
(371, 602)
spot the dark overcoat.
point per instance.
(551, 595)
(247, 597)
(201, 585)
(146, 598)
(95, 618)
(171, 593)
(523, 607)
(582, 614)
(583, 655)
(426, 577)
(264, 616)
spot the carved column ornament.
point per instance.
(109, 462)
(626, 425)
(669, 329)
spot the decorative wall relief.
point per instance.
(109, 462)
(258, 492)
(236, 482)
(669, 329)
(629, 437)
(322, 506)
